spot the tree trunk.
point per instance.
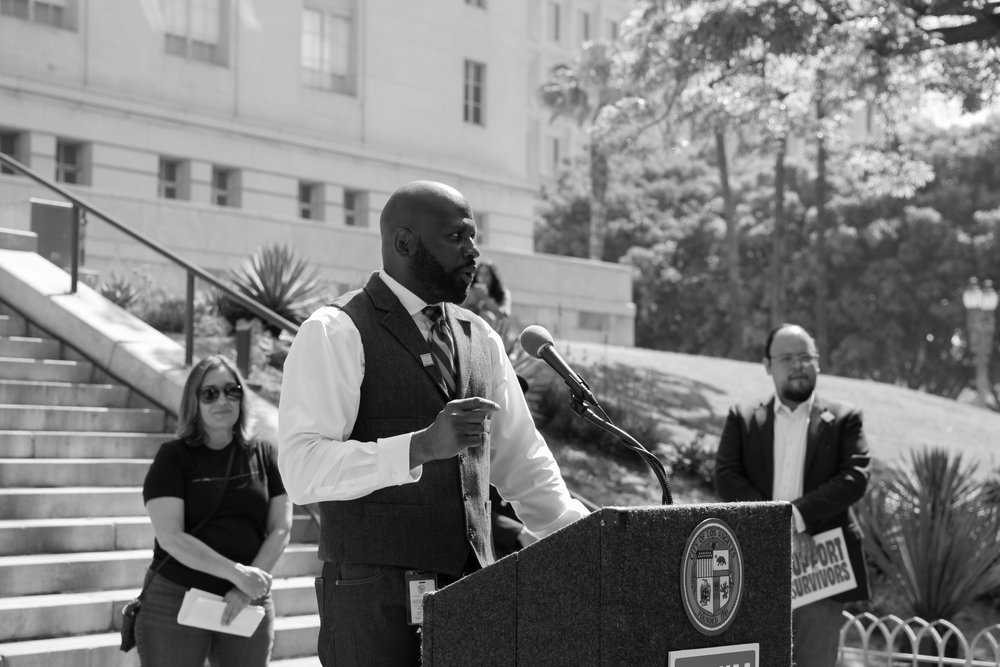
(598, 200)
(778, 237)
(736, 306)
(821, 275)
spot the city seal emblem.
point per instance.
(712, 577)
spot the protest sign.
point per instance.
(828, 573)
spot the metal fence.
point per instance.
(890, 641)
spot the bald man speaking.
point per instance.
(398, 409)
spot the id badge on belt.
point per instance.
(418, 583)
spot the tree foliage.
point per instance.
(879, 228)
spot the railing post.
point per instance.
(189, 321)
(74, 261)
(243, 339)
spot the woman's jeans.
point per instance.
(163, 642)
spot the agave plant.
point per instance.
(274, 277)
(935, 533)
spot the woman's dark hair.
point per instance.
(495, 286)
(189, 418)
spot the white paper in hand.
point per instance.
(204, 610)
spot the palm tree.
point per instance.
(581, 91)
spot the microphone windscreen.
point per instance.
(535, 337)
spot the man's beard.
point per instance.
(797, 395)
(440, 284)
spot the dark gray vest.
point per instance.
(430, 524)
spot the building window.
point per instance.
(12, 143)
(71, 162)
(225, 187)
(475, 82)
(328, 49)
(310, 201)
(584, 26)
(173, 179)
(476, 3)
(56, 13)
(555, 25)
(355, 208)
(612, 30)
(195, 29)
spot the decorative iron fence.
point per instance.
(890, 641)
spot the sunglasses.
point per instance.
(210, 394)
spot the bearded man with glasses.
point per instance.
(795, 446)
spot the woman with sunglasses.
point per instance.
(221, 519)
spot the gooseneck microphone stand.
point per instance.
(585, 404)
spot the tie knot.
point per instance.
(433, 313)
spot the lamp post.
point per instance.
(980, 304)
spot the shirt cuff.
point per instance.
(800, 524)
(394, 459)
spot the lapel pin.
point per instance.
(426, 360)
(827, 416)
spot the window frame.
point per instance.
(225, 195)
(184, 43)
(474, 93)
(325, 76)
(75, 171)
(61, 14)
(311, 207)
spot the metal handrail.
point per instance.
(81, 207)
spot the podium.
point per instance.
(680, 586)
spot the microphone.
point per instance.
(538, 343)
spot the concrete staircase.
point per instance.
(75, 540)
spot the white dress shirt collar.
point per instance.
(808, 403)
(411, 302)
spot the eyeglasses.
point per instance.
(793, 359)
(211, 393)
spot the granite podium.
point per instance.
(679, 585)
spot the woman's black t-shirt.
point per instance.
(194, 473)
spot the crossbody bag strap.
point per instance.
(201, 524)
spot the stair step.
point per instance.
(12, 325)
(40, 574)
(30, 347)
(62, 472)
(72, 502)
(72, 418)
(63, 393)
(39, 616)
(294, 636)
(59, 370)
(50, 536)
(32, 536)
(81, 444)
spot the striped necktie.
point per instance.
(442, 346)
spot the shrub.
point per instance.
(932, 531)
(693, 458)
(557, 417)
(274, 277)
(126, 290)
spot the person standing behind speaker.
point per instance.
(398, 459)
(798, 447)
(488, 297)
(221, 518)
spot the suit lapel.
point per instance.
(401, 326)
(813, 435)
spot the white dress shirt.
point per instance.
(320, 397)
(790, 434)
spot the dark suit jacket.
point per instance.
(835, 476)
